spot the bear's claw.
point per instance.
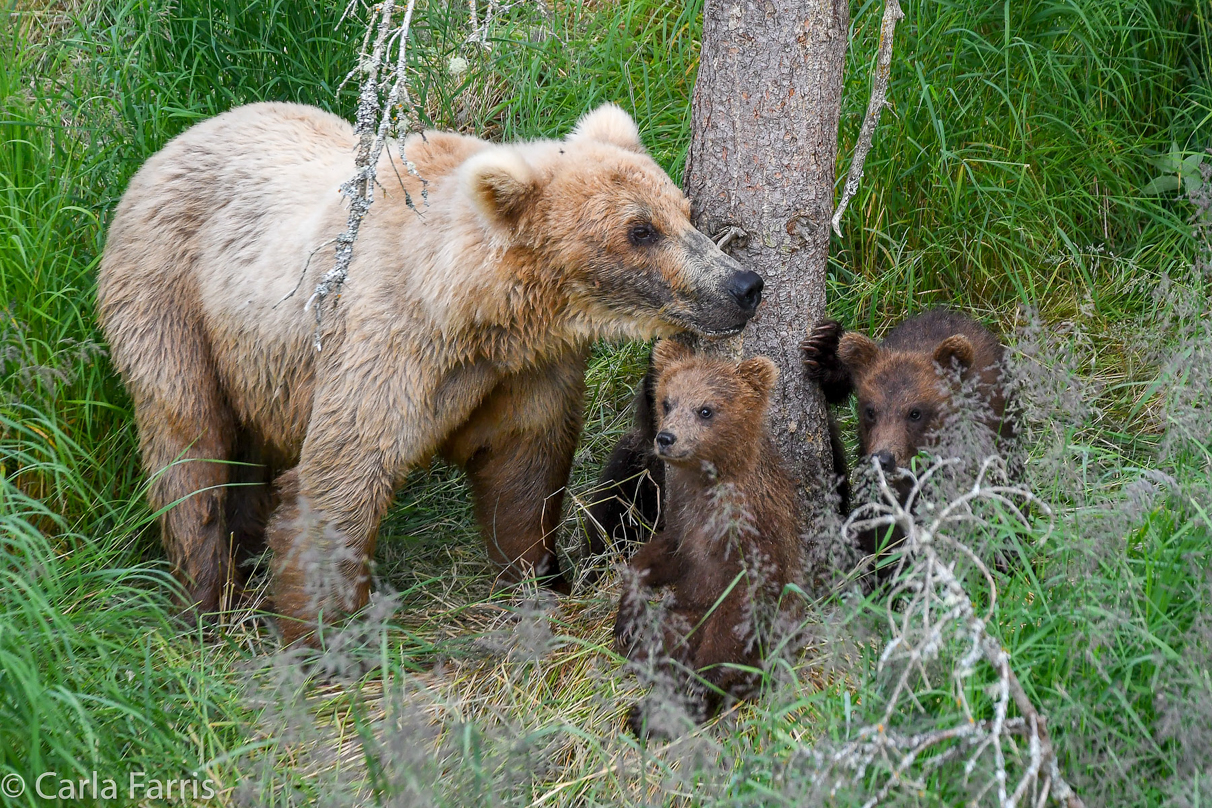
(820, 346)
(822, 363)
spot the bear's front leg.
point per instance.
(322, 547)
(364, 436)
(656, 564)
(822, 363)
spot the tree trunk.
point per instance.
(765, 119)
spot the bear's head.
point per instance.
(903, 396)
(601, 219)
(710, 412)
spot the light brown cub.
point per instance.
(730, 542)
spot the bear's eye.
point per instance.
(643, 235)
(705, 413)
(915, 414)
(666, 407)
(869, 412)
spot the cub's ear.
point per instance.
(668, 351)
(500, 184)
(609, 124)
(857, 351)
(759, 373)
(955, 348)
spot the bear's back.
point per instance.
(217, 228)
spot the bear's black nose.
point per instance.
(886, 460)
(746, 289)
(665, 439)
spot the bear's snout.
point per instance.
(746, 289)
(886, 460)
(718, 295)
(892, 452)
(665, 441)
(672, 449)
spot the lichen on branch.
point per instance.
(934, 625)
(375, 122)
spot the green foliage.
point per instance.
(1179, 172)
(1008, 169)
(1033, 157)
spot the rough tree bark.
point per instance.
(762, 159)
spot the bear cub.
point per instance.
(730, 542)
(629, 494)
(909, 388)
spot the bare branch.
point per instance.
(879, 91)
(481, 32)
(374, 123)
(930, 613)
(303, 274)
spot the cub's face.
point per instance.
(709, 411)
(616, 230)
(900, 406)
(903, 398)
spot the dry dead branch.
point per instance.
(879, 91)
(930, 613)
(375, 122)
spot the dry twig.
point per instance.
(879, 90)
(374, 123)
(933, 611)
(481, 32)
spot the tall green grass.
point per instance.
(1008, 170)
(1007, 174)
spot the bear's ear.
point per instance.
(857, 352)
(609, 124)
(759, 373)
(955, 348)
(500, 184)
(668, 351)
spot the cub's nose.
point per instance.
(886, 460)
(665, 439)
(746, 289)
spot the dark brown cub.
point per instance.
(909, 387)
(626, 501)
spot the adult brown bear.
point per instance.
(463, 331)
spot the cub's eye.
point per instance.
(869, 413)
(915, 414)
(705, 413)
(666, 407)
(643, 235)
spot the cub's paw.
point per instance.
(662, 717)
(624, 630)
(637, 721)
(820, 348)
(822, 363)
